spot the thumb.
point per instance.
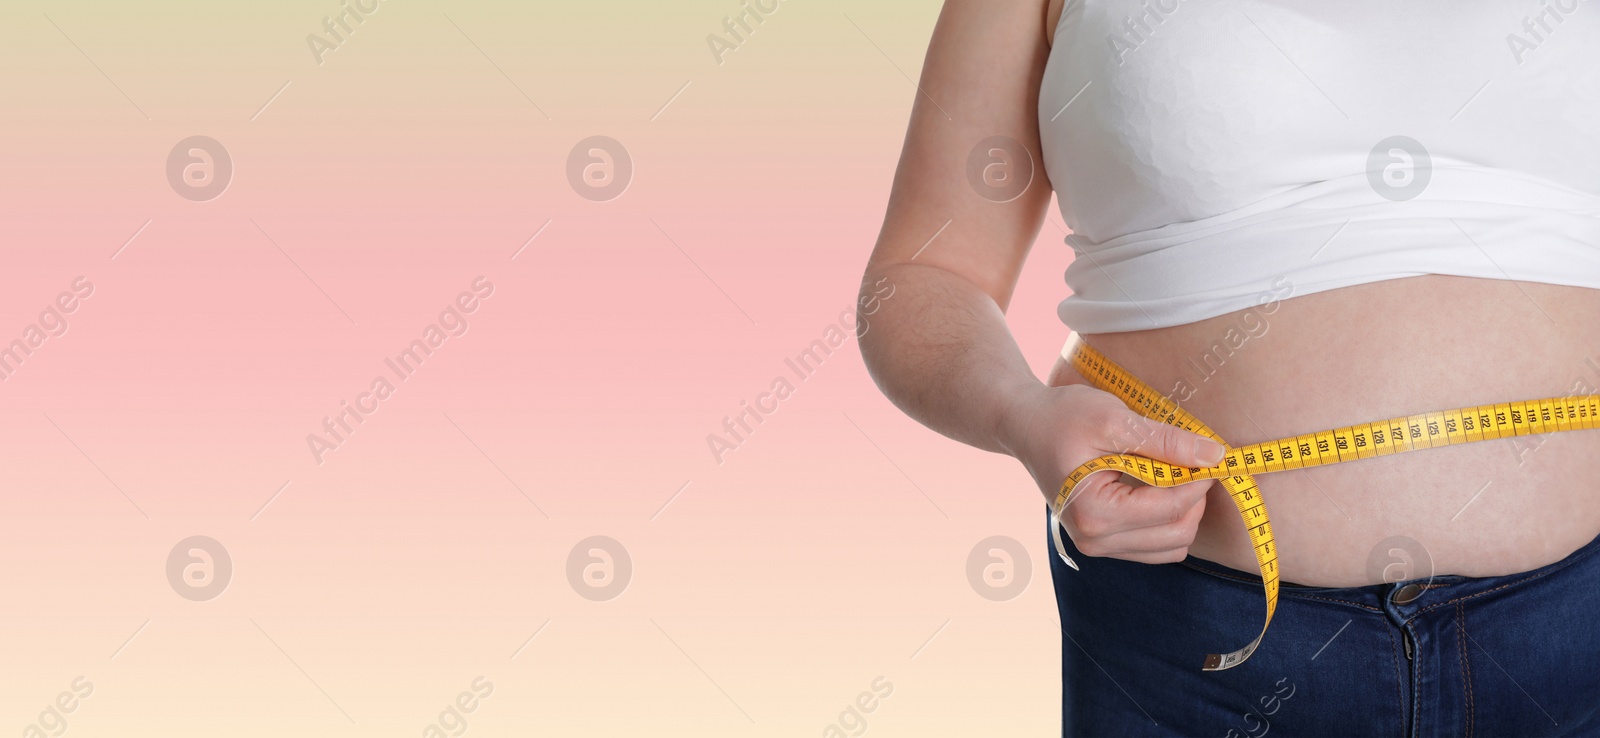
(1177, 446)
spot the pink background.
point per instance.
(376, 586)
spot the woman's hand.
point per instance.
(1053, 430)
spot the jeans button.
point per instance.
(1407, 594)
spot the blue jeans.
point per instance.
(1455, 656)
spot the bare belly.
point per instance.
(1373, 352)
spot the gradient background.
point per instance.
(830, 549)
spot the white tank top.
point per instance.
(1205, 151)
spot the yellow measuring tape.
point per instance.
(1362, 441)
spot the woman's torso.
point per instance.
(1368, 353)
(1193, 143)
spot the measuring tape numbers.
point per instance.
(1239, 465)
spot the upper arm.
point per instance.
(980, 80)
(1052, 18)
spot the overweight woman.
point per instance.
(1286, 217)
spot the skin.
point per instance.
(941, 352)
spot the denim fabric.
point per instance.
(1493, 656)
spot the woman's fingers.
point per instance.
(1157, 538)
(1109, 523)
(1135, 434)
(1102, 506)
(1164, 557)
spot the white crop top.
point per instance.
(1202, 149)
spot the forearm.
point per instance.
(940, 350)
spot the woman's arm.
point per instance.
(941, 351)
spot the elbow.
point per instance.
(877, 287)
